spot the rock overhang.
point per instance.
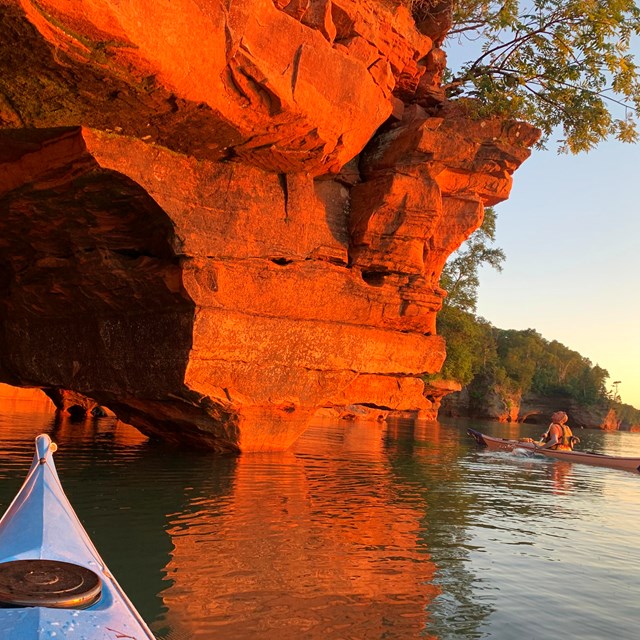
(217, 266)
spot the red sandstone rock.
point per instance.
(76, 404)
(610, 422)
(189, 236)
(167, 73)
(10, 395)
(506, 406)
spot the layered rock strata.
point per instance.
(219, 216)
(502, 405)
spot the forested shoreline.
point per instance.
(487, 360)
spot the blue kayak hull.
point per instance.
(40, 524)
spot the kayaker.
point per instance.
(559, 435)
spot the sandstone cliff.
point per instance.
(504, 406)
(218, 216)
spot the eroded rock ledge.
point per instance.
(219, 216)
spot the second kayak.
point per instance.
(584, 457)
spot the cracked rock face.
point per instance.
(220, 216)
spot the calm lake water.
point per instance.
(359, 532)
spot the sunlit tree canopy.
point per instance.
(563, 65)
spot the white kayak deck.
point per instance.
(41, 524)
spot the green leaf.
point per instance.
(557, 64)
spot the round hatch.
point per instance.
(48, 583)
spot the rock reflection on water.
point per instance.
(306, 545)
(397, 532)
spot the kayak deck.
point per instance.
(583, 457)
(40, 524)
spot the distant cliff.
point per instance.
(503, 406)
(519, 376)
(218, 217)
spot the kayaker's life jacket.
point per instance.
(566, 439)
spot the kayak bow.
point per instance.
(583, 457)
(53, 582)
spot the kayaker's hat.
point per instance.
(559, 417)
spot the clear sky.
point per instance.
(571, 232)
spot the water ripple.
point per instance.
(395, 531)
